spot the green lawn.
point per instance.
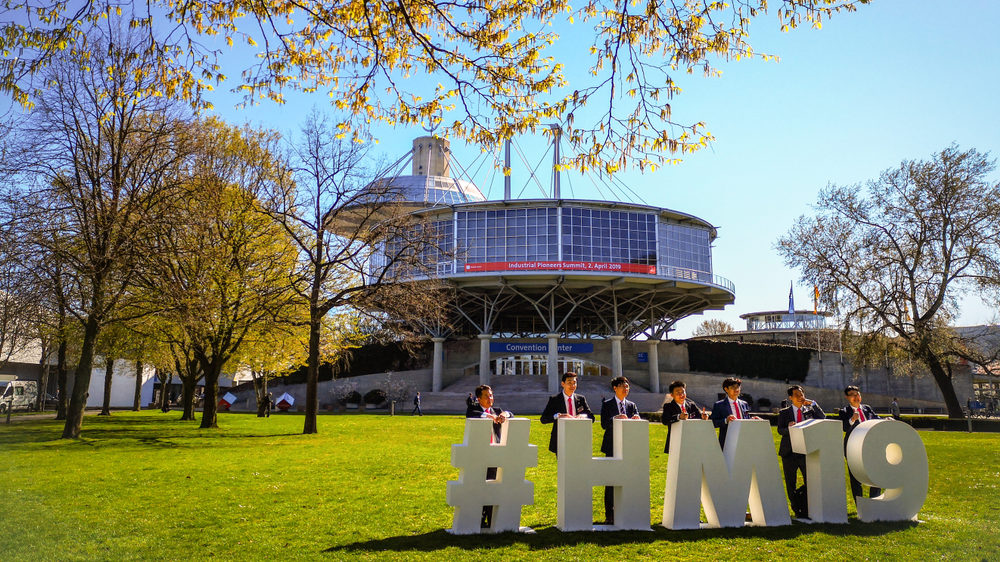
(145, 485)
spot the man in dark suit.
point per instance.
(730, 408)
(679, 408)
(566, 404)
(620, 408)
(802, 409)
(851, 416)
(484, 408)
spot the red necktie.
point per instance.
(569, 406)
(861, 416)
(736, 410)
(798, 414)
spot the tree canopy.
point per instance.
(895, 253)
(484, 70)
(713, 327)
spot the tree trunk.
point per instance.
(188, 384)
(62, 393)
(208, 413)
(260, 391)
(312, 369)
(109, 373)
(944, 383)
(137, 398)
(44, 383)
(81, 381)
(166, 382)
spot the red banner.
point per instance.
(560, 266)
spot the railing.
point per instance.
(666, 271)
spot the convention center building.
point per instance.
(541, 286)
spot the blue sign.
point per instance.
(643, 357)
(539, 348)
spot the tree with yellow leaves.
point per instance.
(222, 270)
(494, 75)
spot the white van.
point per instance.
(18, 395)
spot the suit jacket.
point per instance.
(845, 418)
(557, 405)
(671, 411)
(476, 411)
(721, 411)
(609, 409)
(786, 415)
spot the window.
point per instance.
(507, 235)
(686, 248)
(609, 236)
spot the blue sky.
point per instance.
(899, 79)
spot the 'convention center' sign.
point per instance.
(518, 347)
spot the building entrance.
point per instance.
(538, 365)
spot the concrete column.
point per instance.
(438, 366)
(553, 366)
(484, 358)
(616, 355)
(654, 366)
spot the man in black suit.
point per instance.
(851, 416)
(566, 404)
(802, 409)
(484, 408)
(730, 408)
(619, 408)
(678, 408)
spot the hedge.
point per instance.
(749, 360)
(372, 358)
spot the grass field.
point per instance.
(146, 485)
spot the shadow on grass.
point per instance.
(127, 432)
(549, 537)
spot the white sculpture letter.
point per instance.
(579, 471)
(471, 492)
(890, 455)
(746, 472)
(821, 441)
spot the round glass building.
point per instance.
(538, 280)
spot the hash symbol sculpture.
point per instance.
(508, 492)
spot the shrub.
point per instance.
(375, 397)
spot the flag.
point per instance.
(815, 299)
(791, 300)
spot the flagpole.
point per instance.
(791, 313)
(819, 351)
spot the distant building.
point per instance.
(804, 328)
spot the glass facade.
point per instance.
(431, 242)
(533, 234)
(608, 236)
(685, 247)
(507, 235)
(778, 321)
